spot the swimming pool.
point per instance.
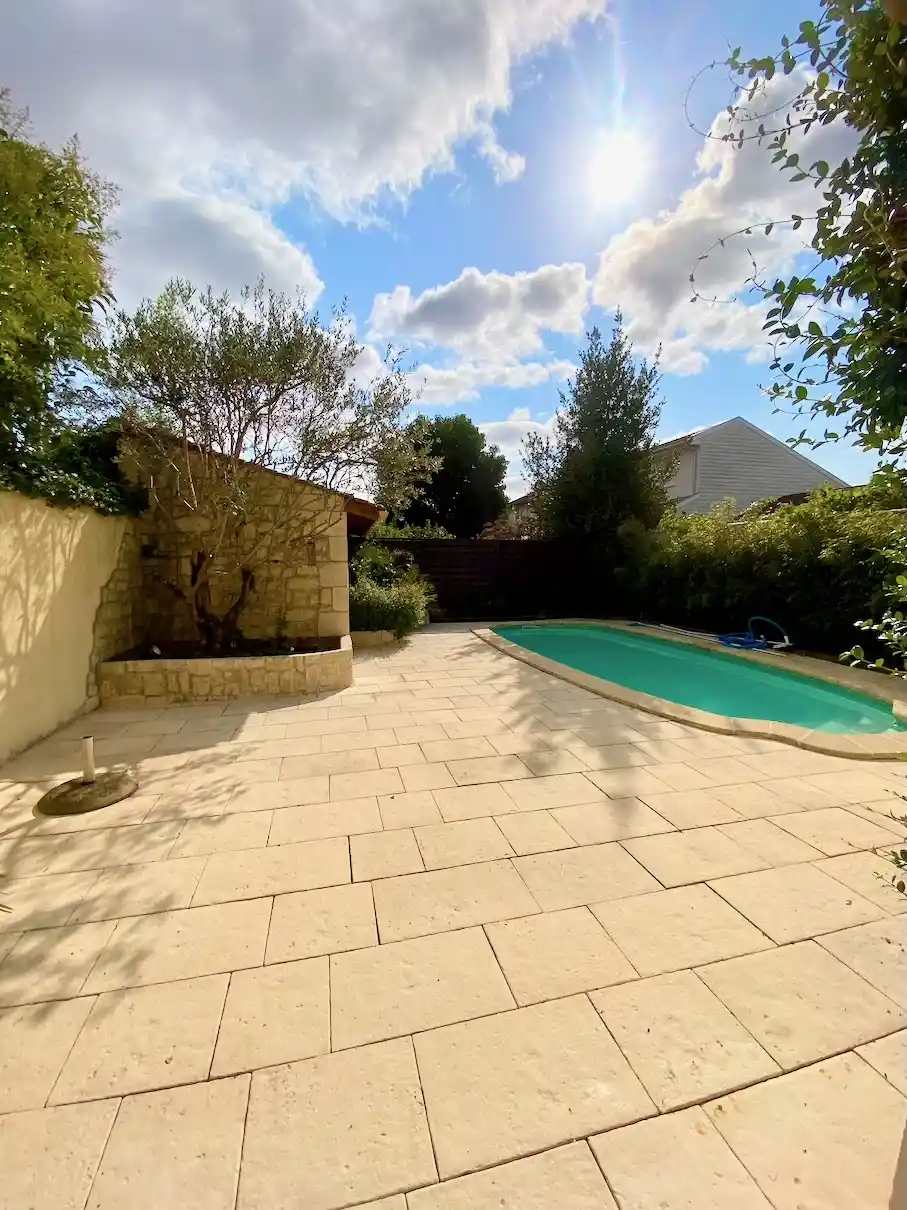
(707, 680)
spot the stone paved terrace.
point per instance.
(461, 923)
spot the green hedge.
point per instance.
(813, 568)
(401, 607)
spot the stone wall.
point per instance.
(126, 683)
(120, 621)
(295, 537)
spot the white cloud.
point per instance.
(493, 317)
(508, 435)
(464, 382)
(188, 103)
(506, 165)
(645, 270)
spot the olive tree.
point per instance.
(226, 405)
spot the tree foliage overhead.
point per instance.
(467, 489)
(53, 277)
(214, 392)
(598, 470)
(840, 331)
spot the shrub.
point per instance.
(401, 607)
(391, 529)
(813, 568)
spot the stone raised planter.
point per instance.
(164, 681)
(372, 638)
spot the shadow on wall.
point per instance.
(54, 565)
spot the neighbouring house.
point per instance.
(739, 460)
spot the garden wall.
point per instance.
(69, 596)
(302, 587)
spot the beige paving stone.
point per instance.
(358, 785)
(408, 810)
(433, 776)
(557, 954)
(358, 761)
(876, 951)
(131, 890)
(595, 755)
(795, 902)
(142, 1039)
(419, 733)
(853, 785)
(680, 1039)
(34, 1042)
(764, 838)
(573, 877)
(662, 752)
(274, 1014)
(534, 832)
(869, 874)
(671, 930)
(384, 854)
(336, 1130)
(501, 1087)
(308, 724)
(7, 941)
(44, 901)
(223, 834)
(415, 905)
(480, 728)
(182, 945)
(410, 986)
(180, 1146)
(678, 858)
(395, 755)
(293, 793)
(320, 821)
(889, 1057)
(794, 791)
(545, 762)
(680, 776)
(462, 843)
(753, 800)
(567, 1177)
(457, 749)
(310, 923)
(691, 808)
(827, 1136)
(487, 768)
(51, 964)
(564, 790)
(724, 770)
(610, 819)
(628, 783)
(515, 743)
(473, 802)
(88, 850)
(835, 830)
(801, 1003)
(676, 1162)
(49, 1157)
(350, 741)
(274, 871)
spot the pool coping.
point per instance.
(881, 746)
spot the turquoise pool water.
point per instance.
(708, 680)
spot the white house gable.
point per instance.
(738, 460)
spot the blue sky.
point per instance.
(481, 182)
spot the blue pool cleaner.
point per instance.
(750, 641)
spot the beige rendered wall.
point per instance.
(67, 579)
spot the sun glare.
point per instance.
(618, 167)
